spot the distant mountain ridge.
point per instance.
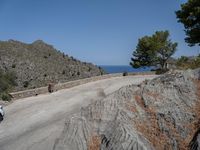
(39, 63)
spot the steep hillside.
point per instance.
(161, 114)
(38, 64)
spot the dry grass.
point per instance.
(94, 142)
(139, 101)
(131, 107)
(149, 127)
(154, 95)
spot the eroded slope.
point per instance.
(159, 114)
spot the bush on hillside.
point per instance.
(185, 63)
(125, 73)
(7, 81)
(25, 84)
(13, 66)
(161, 71)
(5, 96)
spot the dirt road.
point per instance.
(34, 123)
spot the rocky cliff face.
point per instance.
(161, 114)
(38, 63)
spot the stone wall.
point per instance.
(141, 73)
(59, 86)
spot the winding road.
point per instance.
(34, 123)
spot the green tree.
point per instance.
(144, 55)
(189, 15)
(153, 50)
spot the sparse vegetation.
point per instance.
(161, 71)
(26, 83)
(125, 73)
(63, 72)
(188, 63)
(13, 66)
(7, 81)
(5, 96)
(42, 63)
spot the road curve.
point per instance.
(34, 123)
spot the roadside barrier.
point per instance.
(52, 88)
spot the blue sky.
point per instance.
(104, 32)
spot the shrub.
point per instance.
(4, 85)
(11, 78)
(146, 81)
(196, 63)
(13, 66)
(63, 72)
(161, 71)
(186, 63)
(63, 54)
(125, 73)
(5, 97)
(74, 59)
(26, 83)
(7, 81)
(182, 62)
(51, 88)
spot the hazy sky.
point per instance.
(104, 32)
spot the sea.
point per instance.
(121, 69)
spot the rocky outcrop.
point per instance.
(38, 64)
(195, 143)
(159, 114)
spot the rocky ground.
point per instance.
(38, 64)
(159, 114)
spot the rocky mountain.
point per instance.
(38, 64)
(160, 114)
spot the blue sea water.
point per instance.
(120, 69)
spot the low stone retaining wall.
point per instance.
(59, 86)
(83, 81)
(141, 73)
(28, 93)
